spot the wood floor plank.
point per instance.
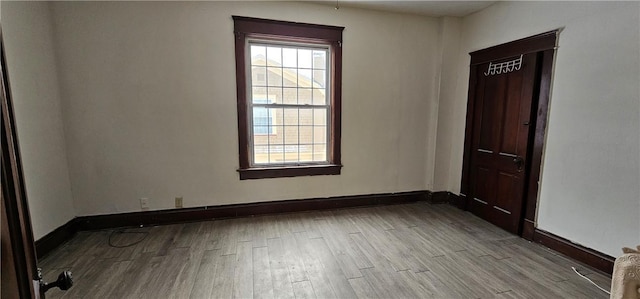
(204, 279)
(223, 280)
(362, 288)
(243, 274)
(315, 270)
(294, 260)
(303, 290)
(282, 287)
(262, 279)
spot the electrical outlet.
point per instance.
(144, 203)
(178, 202)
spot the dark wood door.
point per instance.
(501, 129)
(19, 269)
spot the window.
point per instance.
(264, 121)
(288, 84)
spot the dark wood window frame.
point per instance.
(331, 36)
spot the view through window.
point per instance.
(289, 103)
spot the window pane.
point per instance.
(319, 78)
(304, 78)
(289, 77)
(274, 76)
(276, 154)
(261, 97)
(319, 97)
(320, 116)
(276, 136)
(320, 152)
(258, 55)
(290, 57)
(290, 135)
(258, 92)
(306, 117)
(258, 76)
(304, 96)
(274, 56)
(262, 121)
(306, 134)
(275, 95)
(319, 59)
(290, 117)
(289, 95)
(319, 134)
(304, 58)
(261, 154)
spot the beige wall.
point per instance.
(26, 29)
(150, 104)
(591, 170)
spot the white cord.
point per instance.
(591, 281)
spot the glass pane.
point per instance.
(291, 155)
(306, 153)
(290, 95)
(320, 152)
(304, 78)
(260, 154)
(306, 117)
(290, 135)
(290, 77)
(274, 56)
(274, 76)
(261, 98)
(319, 97)
(263, 119)
(304, 58)
(276, 154)
(290, 117)
(258, 55)
(304, 96)
(320, 117)
(320, 134)
(275, 95)
(319, 59)
(258, 76)
(289, 57)
(276, 135)
(306, 135)
(319, 78)
(258, 92)
(260, 139)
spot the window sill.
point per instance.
(288, 171)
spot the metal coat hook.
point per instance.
(504, 67)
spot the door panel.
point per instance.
(499, 141)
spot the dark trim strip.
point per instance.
(293, 171)
(593, 258)
(249, 25)
(528, 229)
(532, 44)
(52, 240)
(242, 210)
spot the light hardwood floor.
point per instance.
(399, 251)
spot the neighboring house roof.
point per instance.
(287, 74)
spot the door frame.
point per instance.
(544, 45)
(17, 237)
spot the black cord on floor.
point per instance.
(122, 231)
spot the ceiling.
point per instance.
(421, 7)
